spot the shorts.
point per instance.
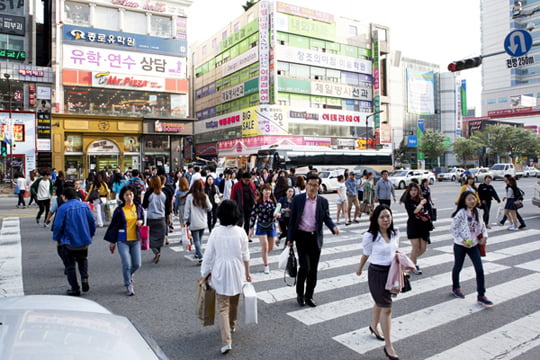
(271, 233)
(339, 201)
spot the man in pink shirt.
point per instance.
(308, 213)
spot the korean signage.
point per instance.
(102, 146)
(119, 81)
(233, 119)
(315, 58)
(241, 61)
(264, 120)
(247, 145)
(18, 132)
(181, 28)
(125, 62)
(14, 25)
(12, 7)
(79, 35)
(161, 126)
(12, 54)
(240, 35)
(240, 90)
(43, 125)
(306, 27)
(264, 53)
(304, 12)
(332, 89)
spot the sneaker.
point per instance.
(522, 226)
(513, 228)
(225, 349)
(156, 258)
(457, 293)
(130, 291)
(484, 301)
(266, 269)
(417, 271)
(85, 285)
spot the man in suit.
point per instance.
(308, 213)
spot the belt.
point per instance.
(307, 232)
(381, 267)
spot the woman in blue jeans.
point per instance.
(123, 232)
(468, 231)
(195, 215)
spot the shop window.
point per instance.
(160, 26)
(135, 22)
(107, 18)
(76, 13)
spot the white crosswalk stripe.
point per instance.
(11, 282)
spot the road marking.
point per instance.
(507, 342)
(11, 281)
(340, 308)
(531, 265)
(431, 317)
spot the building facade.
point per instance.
(283, 74)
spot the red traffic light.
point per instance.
(465, 64)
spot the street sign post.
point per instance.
(518, 43)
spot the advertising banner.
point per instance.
(124, 62)
(241, 61)
(123, 81)
(420, 92)
(332, 89)
(80, 35)
(264, 53)
(264, 120)
(14, 25)
(315, 58)
(24, 135)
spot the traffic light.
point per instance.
(465, 64)
(4, 149)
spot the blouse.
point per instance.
(263, 213)
(224, 257)
(380, 251)
(464, 229)
(342, 191)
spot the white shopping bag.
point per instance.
(250, 304)
(500, 213)
(282, 262)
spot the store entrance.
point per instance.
(103, 155)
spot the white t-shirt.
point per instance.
(379, 251)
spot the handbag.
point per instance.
(481, 247)
(265, 226)
(250, 304)
(365, 208)
(93, 195)
(406, 283)
(186, 238)
(292, 267)
(17, 190)
(205, 302)
(433, 214)
(518, 204)
(144, 230)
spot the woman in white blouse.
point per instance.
(226, 261)
(380, 243)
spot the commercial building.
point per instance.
(288, 75)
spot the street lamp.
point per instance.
(367, 118)
(9, 128)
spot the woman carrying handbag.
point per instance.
(124, 232)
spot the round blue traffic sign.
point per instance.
(518, 43)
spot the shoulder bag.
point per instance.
(292, 267)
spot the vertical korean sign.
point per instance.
(273, 60)
(264, 53)
(376, 89)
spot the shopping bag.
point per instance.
(292, 267)
(500, 213)
(205, 302)
(433, 214)
(282, 262)
(186, 238)
(17, 189)
(250, 304)
(144, 230)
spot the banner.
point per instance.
(264, 120)
(420, 92)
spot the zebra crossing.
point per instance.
(340, 257)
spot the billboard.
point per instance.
(420, 92)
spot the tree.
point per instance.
(432, 144)
(249, 4)
(465, 149)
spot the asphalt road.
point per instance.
(428, 321)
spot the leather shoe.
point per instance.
(300, 300)
(73, 292)
(310, 302)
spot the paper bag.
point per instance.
(205, 302)
(250, 304)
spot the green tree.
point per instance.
(465, 149)
(432, 144)
(249, 4)
(502, 139)
(522, 143)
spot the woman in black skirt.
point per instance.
(380, 243)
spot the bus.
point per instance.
(277, 157)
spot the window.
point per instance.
(224, 35)
(204, 50)
(318, 73)
(299, 71)
(283, 68)
(135, 22)
(353, 30)
(214, 43)
(160, 26)
(107, 18)
(11, 42)
(76, 13)
(236, 27)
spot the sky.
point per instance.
(434, 31)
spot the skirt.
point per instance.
(377, 276)
(158, 230)
(509, 204)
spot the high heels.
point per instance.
(374, 333)
(388, 355)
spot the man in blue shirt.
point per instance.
(352, 196)
(74, 227)
(384, 190)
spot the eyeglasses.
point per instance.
(313, 185)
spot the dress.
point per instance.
(416, 228)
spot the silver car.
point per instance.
(62, 327)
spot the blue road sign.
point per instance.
(412, 141)
(518, 43)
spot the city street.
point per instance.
(428, 322)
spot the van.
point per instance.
(499, 170)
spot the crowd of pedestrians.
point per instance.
(237, 205)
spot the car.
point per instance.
(480, 174)
(64, 327)
(426, 174)
(359, 170)
(501, 169)
(329, 181)
(401, 178)
(453, 174)
(529, 171)
(536, 198)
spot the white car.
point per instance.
(426, 174)
(401, 178)
(536, 197)
(480, 174)
(329, 181)
(529, 171)
(453, 174)
(51, 327)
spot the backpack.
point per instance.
(138, 184)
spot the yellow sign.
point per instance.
(264, 120)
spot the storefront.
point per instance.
(164, 141)
(83, 143)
